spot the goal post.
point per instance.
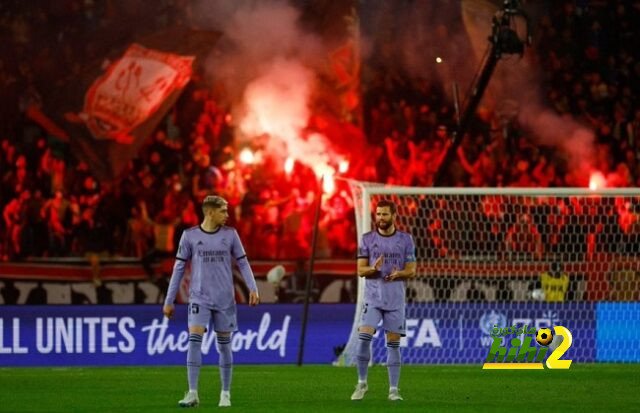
(510, 257)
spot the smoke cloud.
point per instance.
(415, 32)
(267, 63)
(574, 140)
(517, 80)
(276, 103)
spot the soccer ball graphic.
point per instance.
(544, 336)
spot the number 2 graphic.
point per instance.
(553, 361)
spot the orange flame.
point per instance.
(288, 165)
(597, 181)
(328, 183)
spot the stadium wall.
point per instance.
(123, 281)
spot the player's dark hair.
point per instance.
(213, 201)
(387, 203)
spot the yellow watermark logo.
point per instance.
(522, 355)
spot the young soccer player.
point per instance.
(210, 247)
(386, 257)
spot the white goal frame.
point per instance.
(364, 222)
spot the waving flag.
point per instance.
(132, 90)
(106, 113)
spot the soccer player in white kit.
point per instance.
(211, 247)
(386, 257)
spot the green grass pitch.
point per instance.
(584, 387)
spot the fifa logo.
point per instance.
(522, 355)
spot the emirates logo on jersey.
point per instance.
(212, 255)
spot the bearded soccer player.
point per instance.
(386, 257)
(210, 247)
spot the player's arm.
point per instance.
(182, 256)
(237, 251)
(366, 270)
(409, 271)
(363, 267)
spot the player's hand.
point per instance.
(254, 298)
(168, 310)
(378, 263)
(395, 274)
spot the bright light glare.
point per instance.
(438, 60)
(246, 156)
(343, 167)
(328, 184)
(596, 181)
(288, 165)
(322, 169)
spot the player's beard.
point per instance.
(383, 225)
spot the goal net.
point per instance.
(510, 257)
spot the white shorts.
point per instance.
(393, 321)
(224, 321)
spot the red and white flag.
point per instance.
(132, 90)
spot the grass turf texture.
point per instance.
(596, 387)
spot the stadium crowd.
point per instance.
(54, 207)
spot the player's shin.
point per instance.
(225, 362)
(194, 360)
(364, 355)
(394, 360)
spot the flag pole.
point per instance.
(305, 312)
